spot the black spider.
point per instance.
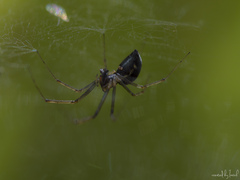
(126, 73)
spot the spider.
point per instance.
(126, 73)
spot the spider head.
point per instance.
(104, 73)
(103, 77)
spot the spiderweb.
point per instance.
(127, 26)
(23, 33)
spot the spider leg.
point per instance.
(91, 87)
(113, 101)
(104, 52)
(59, 81)
(153, 83)
(130, 82)
(97, 111)
(129, 91)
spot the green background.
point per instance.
(186, 128)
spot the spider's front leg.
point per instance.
(57, 80)
(90, 87)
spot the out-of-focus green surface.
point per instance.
(187, 128)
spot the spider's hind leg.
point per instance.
(153, 83)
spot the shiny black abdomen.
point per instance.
(130, 67)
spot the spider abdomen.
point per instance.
(130, 67)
